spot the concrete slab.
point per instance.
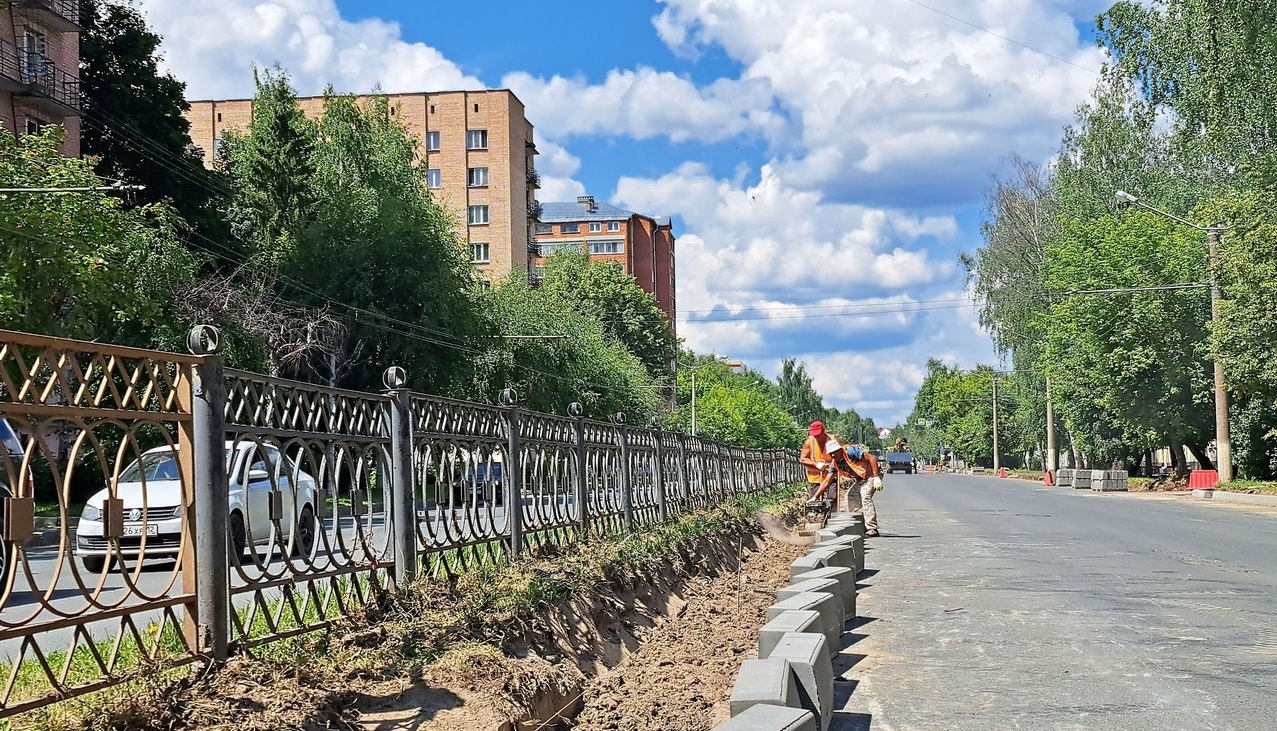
(809, 660)
(837, 555)
(829, 586)
(829, 606)
(764, 682)
(1225, 496)
(803, 564)
(857, 523)
(856, 542)
(770, 718)
(794, 620)
(846, 583)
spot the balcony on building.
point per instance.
(59, 16)
(534, 178)
(40, 84)
(534, 210)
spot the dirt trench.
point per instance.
(660, 654)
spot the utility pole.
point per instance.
(1052, 458)
(996, 462)
(1223, 440)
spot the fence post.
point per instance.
(512, 474)
(718, 472)
(210, 495)
(627, 497)
(683, 485)
(659, 474)
(576, 411)
(403, 512)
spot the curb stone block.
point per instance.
(1082, 480)
(829, 606)
(857, 544)
(846, 582)
(771, 718)
(857, 523)
(765, 681)
(803, 564)
(828, 586)
(785, 623)
(1064, 478)
(838, 555)
(809, 660)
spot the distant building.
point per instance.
(642, 244)
(478, 150)
(39, 67)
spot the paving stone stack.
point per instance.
(1064, 478)
(790, 686)
(1109, 481)
(1081, 479)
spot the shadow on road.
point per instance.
(851, 722)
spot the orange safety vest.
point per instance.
(818, 454)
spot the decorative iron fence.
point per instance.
(221, 509)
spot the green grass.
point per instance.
(54, 510)
(1257, 487)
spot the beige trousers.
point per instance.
(860, 500)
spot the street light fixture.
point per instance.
(1223, 443)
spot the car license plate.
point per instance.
(152, 529)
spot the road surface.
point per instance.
(1002, 604)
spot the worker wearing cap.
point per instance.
(816, 457)
(866, 475)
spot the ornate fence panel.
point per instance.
(108, 428)
(308, 503)
(222, 509)
(458, 461)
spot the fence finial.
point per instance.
(509, 397)
(394, 378)
(575, 409)
(203, 340)
(618, 417)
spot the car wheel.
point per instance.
(93, 564)
(304, 533)
(238, 535)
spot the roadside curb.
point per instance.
(1243, 498)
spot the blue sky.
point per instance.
(824, 160)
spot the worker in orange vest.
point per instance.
(819, 462)
(866, 479)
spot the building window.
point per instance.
(545, 228)
(477, 139)
(478, 215)
(477, 177)
(432, 142)
(434, 178)
(432, 109)
(34, 126)
(569, 228)
(34, 59)
(613, 225)
(479, 252)
(219, 116)
(217, 147)
(476, 107)
(607, 247)
(547, 250)
(596, 228)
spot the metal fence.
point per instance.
(222, 509)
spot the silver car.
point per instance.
(151, 492)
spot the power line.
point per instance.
(995, 34)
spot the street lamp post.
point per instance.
(1223, 443)
(693, 369)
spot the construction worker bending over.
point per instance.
(816, 458)
(866, 478)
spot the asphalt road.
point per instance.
(1001, 604)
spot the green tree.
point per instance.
(796, 391)
(82, 264)
(627, 312)
(132, 118)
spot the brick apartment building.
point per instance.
(479, 153)
(39, 67)
(642, 244)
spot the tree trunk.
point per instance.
(1074, 460)
(1200, 455)
(1177, 459)
(1150, 469)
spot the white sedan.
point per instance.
(151, 492)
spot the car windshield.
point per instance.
(10, 440)
(154, 466)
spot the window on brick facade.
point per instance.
(477, 177)
(434, 178)
(34, 60)
(545, 228)
(480, 252)
(34, 126)
(596, 228)
(613, 225)
(569, 228)
(607, 247)
(478, 215)
(432, 142)
(477, 139)
(217, 147)
(554, 248)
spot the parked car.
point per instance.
(151, 490)
(898, 462)
(13, 447)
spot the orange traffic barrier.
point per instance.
(1048, 479)
(1002, 472)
